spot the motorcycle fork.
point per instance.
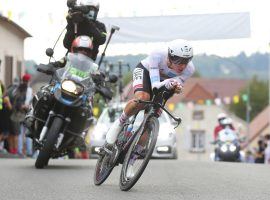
(45, 127)
(62, 133)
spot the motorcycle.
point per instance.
(61, 111)
(227, 146)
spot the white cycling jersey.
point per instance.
(156, 64)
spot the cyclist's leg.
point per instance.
(142, 91)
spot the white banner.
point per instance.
(190, 27)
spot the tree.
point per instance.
(259, 94)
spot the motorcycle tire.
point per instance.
(51, 139)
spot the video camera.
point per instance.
(71, 4)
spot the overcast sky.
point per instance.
(44, 20)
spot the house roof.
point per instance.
(201, 88)
(16, 26)
(259, 123)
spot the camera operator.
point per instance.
(81, 20)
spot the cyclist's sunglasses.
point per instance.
(179, 60)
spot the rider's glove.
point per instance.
(172, 84)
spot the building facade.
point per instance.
(11, 50)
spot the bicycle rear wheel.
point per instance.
(138, 158)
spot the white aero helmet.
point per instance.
(180, 51)
(93, 6)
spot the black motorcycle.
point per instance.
(61, 111)
(227, 146)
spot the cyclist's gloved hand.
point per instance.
(178, 88)
(172, 84)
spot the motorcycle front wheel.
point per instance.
(51, 139)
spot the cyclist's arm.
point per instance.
(154, 71)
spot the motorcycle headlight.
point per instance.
(232, 147)
(224, 148)
(72, 87)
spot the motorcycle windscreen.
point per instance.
(227, 135)
(78, 68)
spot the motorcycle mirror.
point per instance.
(113, 78)
(49, 52)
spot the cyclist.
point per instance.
(167, 67)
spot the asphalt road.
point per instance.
(163, 179)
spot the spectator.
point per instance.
(5, 111)
(22, 98)
(13, 135)
(249, 157)
(260, 152)
(267, 150)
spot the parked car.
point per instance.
(166, 142)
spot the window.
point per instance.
(198, 115)
(197, 141)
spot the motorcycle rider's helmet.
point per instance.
(84, 45)
(180, 51)
(221, 116)
(93, 6)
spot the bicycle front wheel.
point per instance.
(139, 154)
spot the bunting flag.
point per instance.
(218, 101)
(200, 102)
(190, 105)
(180, 106)
(227, 100)
(208, 102)
(245, 97)
(171, 106)
(236, 99)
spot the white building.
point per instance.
(11, 50)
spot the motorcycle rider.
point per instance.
(219, 127)
(168, 67)
(223, 121)
(88, 25)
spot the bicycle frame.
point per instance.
(151, 112)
